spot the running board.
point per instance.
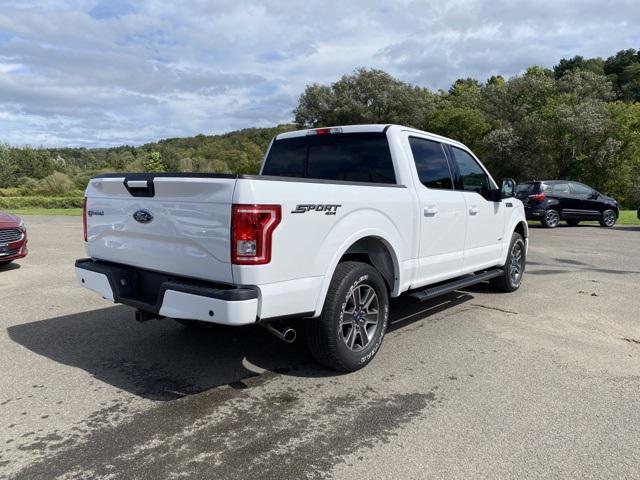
(455, 284)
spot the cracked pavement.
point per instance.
(536, 384)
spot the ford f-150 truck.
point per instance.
(338, 221)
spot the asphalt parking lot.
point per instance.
(542, 383)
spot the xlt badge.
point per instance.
(327, 209)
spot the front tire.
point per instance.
(608, 219)
(550, 218)
(354, 318)
(513, 269)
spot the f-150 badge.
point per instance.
(327, 209)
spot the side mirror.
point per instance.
(508, 189)
(594, 195)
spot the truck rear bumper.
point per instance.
(167, 295)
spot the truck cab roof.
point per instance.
(374, 127)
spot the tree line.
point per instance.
(579, 120)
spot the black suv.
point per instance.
(553, 200)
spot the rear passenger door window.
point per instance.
(581, 190)
(560, 189)
(431, 163)
(472, 178)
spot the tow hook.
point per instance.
(280, 330)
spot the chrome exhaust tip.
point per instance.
(283, 332)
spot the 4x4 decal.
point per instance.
(327, 209)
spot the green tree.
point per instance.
(509, 102)
(8, 170)
(464, 93)
(464, 124)
(186, 165)
(496, 80)
(586, 85)
(593, 65)
(315, 106)
(153, 163)
(56, 184)
(462, 85)
(366, 96)
(623, 70)
(623, 178)
(547, 128)
(30, 162)
(630, 83)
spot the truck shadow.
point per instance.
(162, 360)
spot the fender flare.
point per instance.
(346, 244)
(513, 224)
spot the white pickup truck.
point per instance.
(339, 220)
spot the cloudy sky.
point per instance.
(109, 72)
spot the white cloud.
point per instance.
(106, 72)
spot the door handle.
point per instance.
(430, 211)
(473, 210)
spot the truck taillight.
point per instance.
(251, 229)
(84, 218)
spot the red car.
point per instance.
(13, 238)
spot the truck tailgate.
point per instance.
(177, 224)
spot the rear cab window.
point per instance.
(354, 157)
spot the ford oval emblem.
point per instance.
(143, 216)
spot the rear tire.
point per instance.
(354, 318)
(608, 219)
(572, 222)
(2, 264)
(514, 268)
(550, 218)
